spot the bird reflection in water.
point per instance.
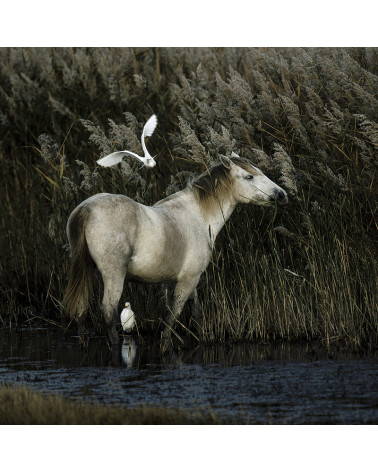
(128, 351)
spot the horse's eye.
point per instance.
(249, 177)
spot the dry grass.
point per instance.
(23, 406)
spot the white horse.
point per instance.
(170, 241)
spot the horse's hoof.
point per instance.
(113, 339)
(113, 343)
(83, 341)
(165, 342)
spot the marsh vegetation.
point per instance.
(20, 405)
(306, 117)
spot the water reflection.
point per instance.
(128, 351)
(36, 347)
(278, 383)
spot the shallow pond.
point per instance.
(252, 383)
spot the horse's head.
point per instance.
(250, 185)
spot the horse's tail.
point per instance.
(80, 284)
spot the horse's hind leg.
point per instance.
(80, 319)
(113, 287)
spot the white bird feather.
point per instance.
(116, 157)
(127, 318)
(148, 130)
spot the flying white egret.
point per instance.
(148, 160)
(127, 318)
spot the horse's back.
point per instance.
(106, 213)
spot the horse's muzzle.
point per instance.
(280, 196)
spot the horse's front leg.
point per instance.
(184, 288)
(195, 306)
(196, 310)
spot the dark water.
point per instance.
(252, 383)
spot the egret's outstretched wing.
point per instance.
(132, 154)
(116, 158)
(148, 129)
(111, 159)
(150, 126)
(147, 161)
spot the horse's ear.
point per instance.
(225, 161)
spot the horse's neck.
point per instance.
(216, 219)
(214, 216)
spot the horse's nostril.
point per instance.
(280, 196)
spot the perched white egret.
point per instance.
(127, 318)
(148, 160)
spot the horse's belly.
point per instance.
(151, 270)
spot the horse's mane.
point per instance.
(213, 185)
(216, 183)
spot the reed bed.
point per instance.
(306, 117)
